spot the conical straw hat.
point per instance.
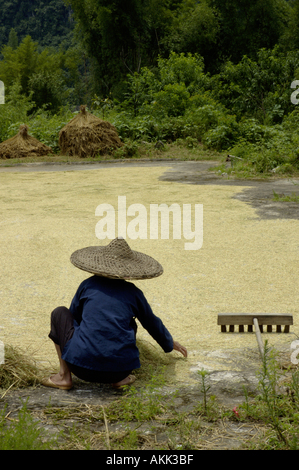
(116, 261)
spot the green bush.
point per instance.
(14, 112)
(172, 100)
(129, 150)
(183, 68)
(143, 127)
(230, 110)
(258, 88)
(222, 136)
(265, 162)
(169, 89)
(41, 75)
(45, 126)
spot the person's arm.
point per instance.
(156, 328)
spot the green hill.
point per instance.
(48, 22)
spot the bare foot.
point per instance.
(127, 381)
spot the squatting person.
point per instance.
(95, 338)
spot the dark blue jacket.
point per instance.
(104, 338)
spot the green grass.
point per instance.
(134, 419)
(277, 405)
(131, 151)
(187, 149)
(285, 198)
(246, 170)
(23, 432)
(139, 414)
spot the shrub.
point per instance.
(14, 112)
(258, 88)
(172, 100)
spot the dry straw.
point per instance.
(87, 136)
(19, 370)
(23, 145)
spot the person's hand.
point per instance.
(178, 347)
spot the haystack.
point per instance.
(87, 135)
(23, 145)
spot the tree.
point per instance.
(13, 41)
(258, 88)
(169, 89)
(290, 38)
(194, 29)
(114, 34)
(122, 37)
(48, 22)
(246, 27)
(40, 74)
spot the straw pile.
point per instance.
(19, 370)
(87, 136)
(23, 145)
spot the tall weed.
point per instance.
(23, 433)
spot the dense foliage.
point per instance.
(216, 72)
(48, 22)
(124, 36)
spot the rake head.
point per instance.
(247, 319)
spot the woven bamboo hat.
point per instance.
(116, 261)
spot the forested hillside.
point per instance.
(214, 72)
(48, 22)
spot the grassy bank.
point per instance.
(131, 151)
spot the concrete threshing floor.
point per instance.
(249, 260)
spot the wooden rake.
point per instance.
(258, 320)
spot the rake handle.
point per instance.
(259, 337)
